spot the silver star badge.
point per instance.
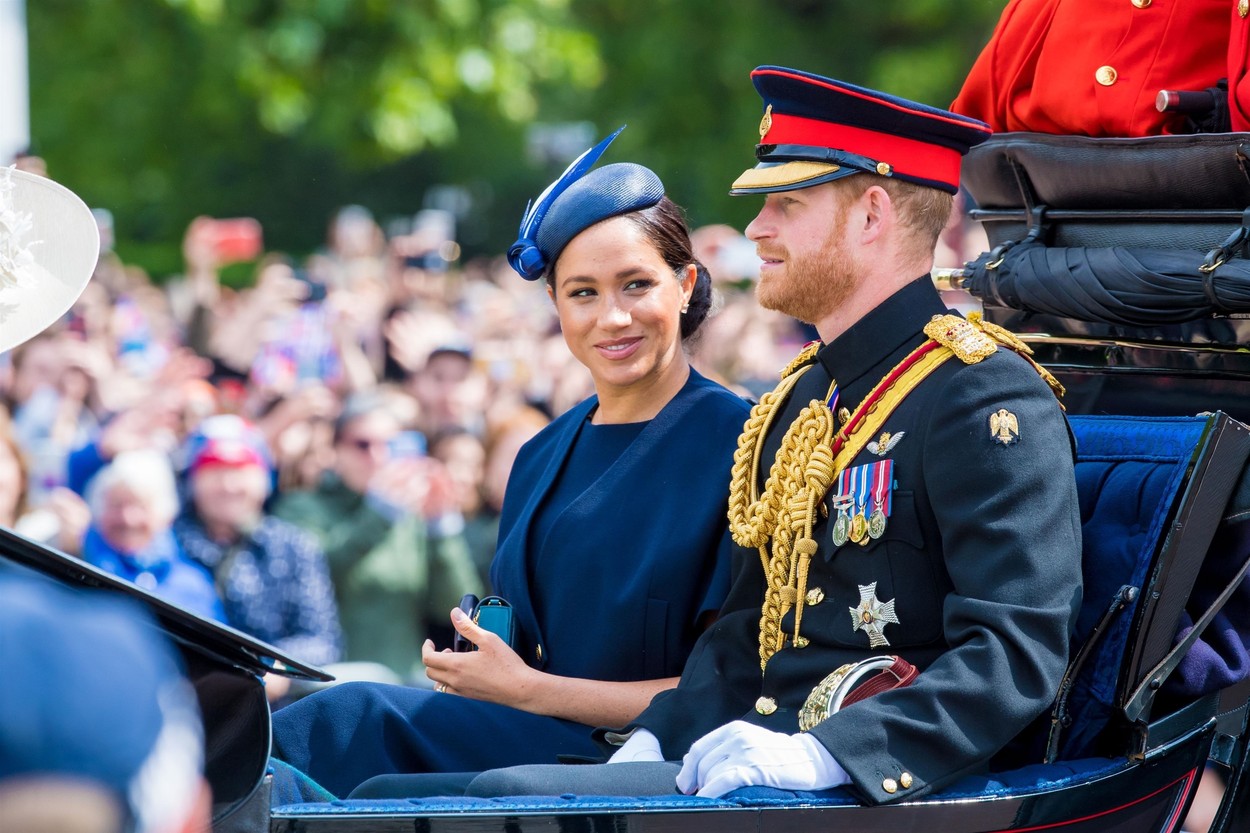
(884, 444)
(872, 615)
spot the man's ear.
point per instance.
(878, 211)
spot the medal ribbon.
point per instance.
(843, 488)
(861, 480)
(882, 494)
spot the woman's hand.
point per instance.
(493, 672)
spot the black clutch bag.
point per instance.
(493, 614)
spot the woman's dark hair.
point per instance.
(664, 224)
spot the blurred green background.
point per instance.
(285, 110)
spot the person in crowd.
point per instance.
(60, 520)
(133, 502)
(911, 468)
(299, 429)
(57, 406)
(100, 731)
(463, 456)
(157, 414)
(13, 501)
(391, 531)
(27, 159)
(610, 577)
(271, 575)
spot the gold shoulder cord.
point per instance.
(799, 479)
(805, 466)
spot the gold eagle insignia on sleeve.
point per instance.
(1004, 427)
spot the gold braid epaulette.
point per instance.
(974, 338)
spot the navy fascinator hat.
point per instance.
(575, 202)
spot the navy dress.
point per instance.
(613, 543)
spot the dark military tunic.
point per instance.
(980, 556)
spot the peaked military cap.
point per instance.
(817, 130)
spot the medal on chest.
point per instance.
(862, 500)
(872, 615)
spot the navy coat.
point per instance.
(639, 555)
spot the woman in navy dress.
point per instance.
(613, 544)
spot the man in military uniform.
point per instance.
(907, 491)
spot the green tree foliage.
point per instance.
(282, 109)
(681, 77)
(287, 109)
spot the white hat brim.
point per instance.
(53, 236)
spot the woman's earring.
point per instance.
(685, 308)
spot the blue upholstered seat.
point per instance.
(1130, 472)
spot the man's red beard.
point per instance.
(812, 285)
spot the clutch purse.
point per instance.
(493, 614)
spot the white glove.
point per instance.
(641, 746)
(741, 754)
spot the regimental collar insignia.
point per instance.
(767, 122)
(964, 339)
(1004, 427)
(884, 444)
(872, 615)
(806, 356)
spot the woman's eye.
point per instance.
(581, 293)
(640, 283)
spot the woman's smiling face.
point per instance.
(620, 305)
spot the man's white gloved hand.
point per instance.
(641, 746)
(740, 754)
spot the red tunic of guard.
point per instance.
(1094, 67)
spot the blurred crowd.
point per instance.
(317, 459)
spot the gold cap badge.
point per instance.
(767, 121)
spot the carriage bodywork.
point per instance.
(1154, 694)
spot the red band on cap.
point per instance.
(906, 156)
